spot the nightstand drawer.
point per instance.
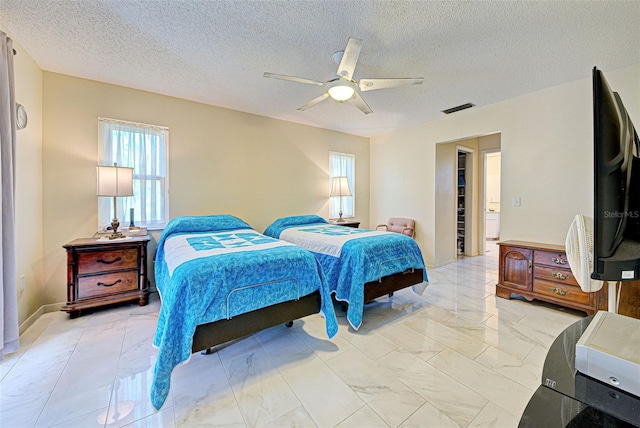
(111, 283)
(562, 276)
(560, 291)
(550, 258)
(104, 261)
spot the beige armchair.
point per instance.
(399, 225)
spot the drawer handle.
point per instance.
(560, 275)
(107, 262)
(559, 261)
(102, 284)
(559, 291)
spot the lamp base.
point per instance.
(115, 224)
(340, 219)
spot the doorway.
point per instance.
(446, 197)
(492, 162)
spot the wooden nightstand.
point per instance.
(104, 272)
(355, 224)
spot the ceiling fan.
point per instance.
(343, 87)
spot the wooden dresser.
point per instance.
(540, 271)
(105, 272)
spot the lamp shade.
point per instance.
(114, 181)
(340, 187)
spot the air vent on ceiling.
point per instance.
(458, 108)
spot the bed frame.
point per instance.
(218, 332)
(388, 284)
(215, 333)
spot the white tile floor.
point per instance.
(456, 356)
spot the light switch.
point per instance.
(516, 201)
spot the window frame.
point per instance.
(347, 201)
(105, 205)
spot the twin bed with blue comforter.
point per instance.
(359, 264)
(211, 269)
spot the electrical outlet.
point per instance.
(22, 283)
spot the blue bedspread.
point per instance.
(216, 280)
(364, 256)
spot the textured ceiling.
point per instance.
(216, 52)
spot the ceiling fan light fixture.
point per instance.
(341, 90)
(342, 86)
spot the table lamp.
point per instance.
(114, 181)
(340, 188)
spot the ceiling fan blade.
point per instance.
(314, 101)
(349, 58)
(371, 84)
(357, 101)
(292, 78)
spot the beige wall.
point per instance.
(29, 227)
(220, 161)
(547, 160)
(445, 217)
(489, 142)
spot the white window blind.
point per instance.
(145, 149)
(340, 165)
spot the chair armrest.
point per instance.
(382, 225)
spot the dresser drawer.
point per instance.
(560, 291)
(550, 258)
(104, 261)
(555, 274)
(110, 283)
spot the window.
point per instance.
(340, 165)
(145, 149)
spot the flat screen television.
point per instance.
(616, 235)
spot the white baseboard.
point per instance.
(447, 262)
(53, 307)
(45, 309)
